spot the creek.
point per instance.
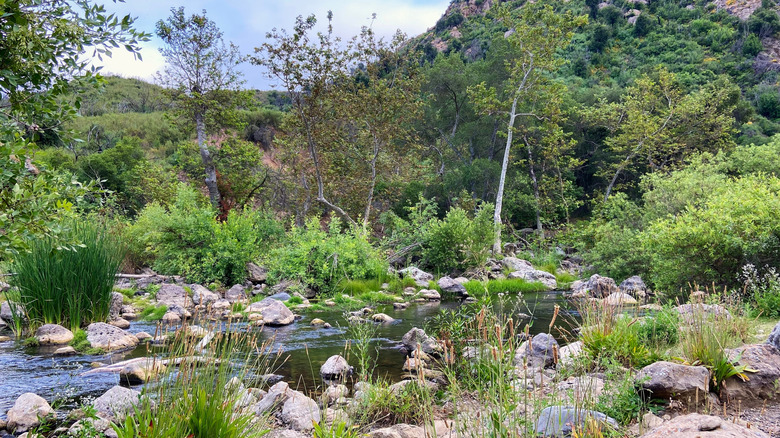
(303, 349)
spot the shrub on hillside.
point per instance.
(185, 238)
(320, 259)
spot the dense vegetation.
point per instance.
(645, 143)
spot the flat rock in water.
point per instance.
(53, 334)
(336, 368)
(139, 372)
(27, 411)
(430, 294)
(117, 402)
(557, 421)
(173, 294)
(274, 312)
(703, 426)
(110, 338)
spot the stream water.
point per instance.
(303, 349)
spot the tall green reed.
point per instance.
(66, 284)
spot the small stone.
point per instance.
(4, 338)
(171, 318)
(317, 322)
(336, 368)
(121, 323)
(383, 318)
(65, 351)
(430, 295)
(143, 336)
(400, 306)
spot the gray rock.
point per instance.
(3, 324)
(568, 354)
(274, 312)
(557, 421)
(539, 351)
(417, 337)
(694, 312)
(53, 334)
(117, 402)
(382, 318)
(5, 311)
(26, 412)
(336, 368)
(399, 431)
(665, 380)
(535, 275)
(203, 296)
(418, 275)
(451, 286)
(300, 412)
(774, 337)
(80, 428)
(703, 426)
(286, 433)
(273, 399)
(256, 274)
(514, 264)
(620, 299)
(335, 394)
(109, 338)
(115, 308)
(634, 286)
(120, 323)
(65, 351)
(141, 371)
(171, 318)
(762, 385)
(173, 294)
(600, 287)
(430, 294)
(179, 310)
(235, 294)
(281, 296)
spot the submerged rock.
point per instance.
(65, 351)
(558, 421)
(109, 338)
(416, 337)
(53, 334)
(382, 318)
(27, 411)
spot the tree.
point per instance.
(353, 105)
(536, 34)
(42, 58)
(202, 78)
(656, 120)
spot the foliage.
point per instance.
(184, 238)
(620, 400)
(607, 334)
(153, 313)
(382, 404)
(66, 285)
(477, 288)
(360, 334)
(762, 291)
(660, 329)
(458, 241)
(337, 429)
(321, 258)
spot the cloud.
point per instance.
(245, 23)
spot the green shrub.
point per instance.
(67, 285)
(660, 329)
(752, 46)
(186, 239)
(761, 291)
(620, 400)
(458, 241)
(608, 335)
(321, 259)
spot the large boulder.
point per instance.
(27, 411)
(236, 294)
(274, 312)
(448, 285)
(774, 337)
(336, 368)
(116, 403)
(600, 287)
(417, 337)
(418, 275)
(203, 296)
(256, 274)
(634, 286)
(514, 264)
(115, 307)
(764, 362)
(558, 421)
(535, 275)
(703, 426)
(53, 334)
(539, 351)
(109, 338)
(173, 294)
(300, 412)
(685, 383)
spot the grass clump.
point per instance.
(383, 404)
(66, 280)
(153, 313)
(477, 288)
(608, 334)
(378, 298)
(201, 399)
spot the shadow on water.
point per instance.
(301, 349)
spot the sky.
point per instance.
(245, 23)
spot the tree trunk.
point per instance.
(208, 162)
(502, 180)
(539, 228)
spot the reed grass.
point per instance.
(69, 285)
